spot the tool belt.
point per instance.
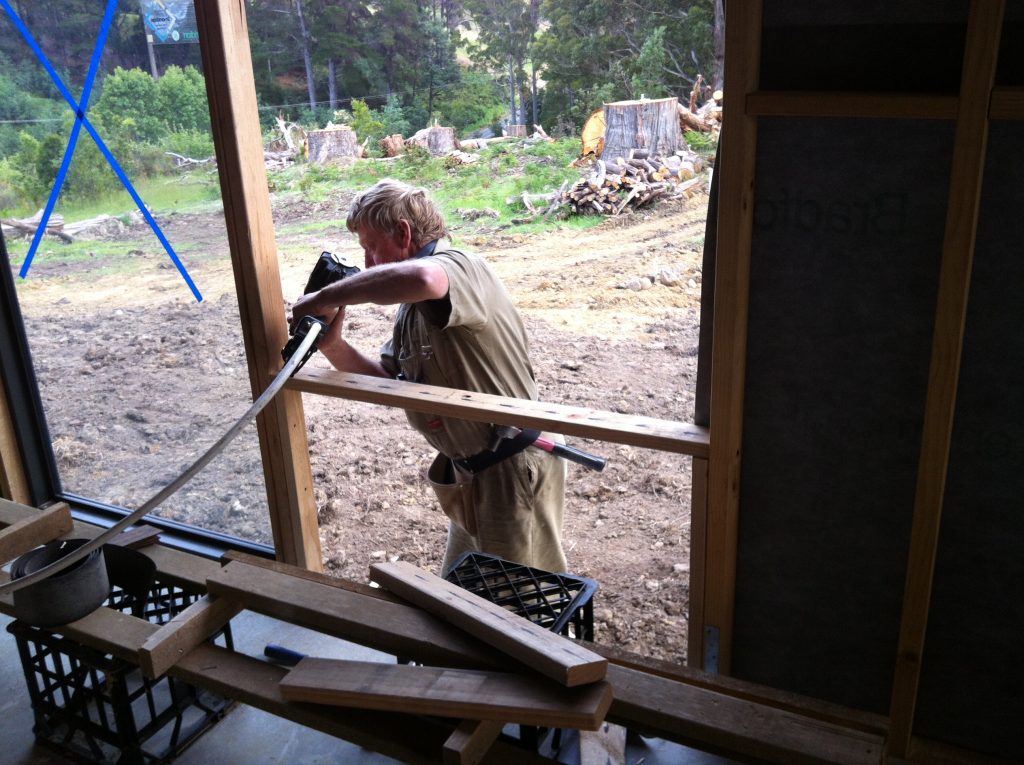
(507, 447)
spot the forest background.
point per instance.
(382, 67)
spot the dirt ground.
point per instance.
(138, 379)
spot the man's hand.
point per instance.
(310, 305)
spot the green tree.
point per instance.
(393, 119)
(180, 100)
(477, 102)
(366, 122)
(648, 72)
(128, 105)
(506, 33)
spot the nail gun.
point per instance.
(329, 268)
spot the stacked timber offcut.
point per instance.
(626, 183)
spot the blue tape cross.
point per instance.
(82, 121)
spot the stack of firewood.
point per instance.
(631, 182)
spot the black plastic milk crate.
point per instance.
(98, 708)
(558, 602)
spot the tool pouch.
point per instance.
(454, 490)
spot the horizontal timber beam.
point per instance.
(766, 103)
(1006, 104)
(646, 432)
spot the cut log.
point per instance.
(690, 121)
(476, 694)
(516, 131)
(333, 144)
(550, 654)
(393, 145)
(647, 124)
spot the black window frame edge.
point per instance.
(32, 433)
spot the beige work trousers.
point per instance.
(518, 506)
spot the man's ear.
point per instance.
(403, 234)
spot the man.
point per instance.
(455, 327)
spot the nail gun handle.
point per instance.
(572, 454)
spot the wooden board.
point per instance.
(552, 655)
(458, 693)
(647, 432)
(184, 632)
(231, 91)
(415, 739)
(984, 30)
(33, 530)
(391, 627)
(735, 727)
(470, 741)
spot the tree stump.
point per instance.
(393, 145)
(648, 124)
(436, 140)
(516, 131)
(331, 144)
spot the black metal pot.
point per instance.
(67, 595)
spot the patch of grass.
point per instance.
(192, 193)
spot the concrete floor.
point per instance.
(248, 736)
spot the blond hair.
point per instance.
(388, 201)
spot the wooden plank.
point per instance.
(184, 632)
(13, 482)
(819, 104)
(698, 561)
(774, 698)
(733, 727)
(984, 30)
(311, 576)
(36, 529)
(407, 738)
(1006, 104)
(136, 538)
(542, 650)
(230, 86)
(391, 627)
(647, 432)
(460, 693)
(728, 356)
(470, 741)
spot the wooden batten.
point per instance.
(184, 632)
(542, 650)
(884, 105)
(470, 741)
(33, 530)
(728, 367)
(648, 432)
(479, 694)
(1007, 104)
(13, 482)
(230, 86)
(984, 29)
(391, 627)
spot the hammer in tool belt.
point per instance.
(591, 461)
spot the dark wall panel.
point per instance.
(848, 228)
